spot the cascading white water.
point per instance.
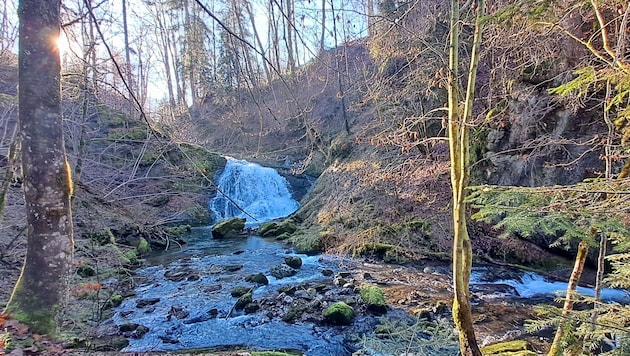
(260, 191)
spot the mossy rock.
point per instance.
(339, 313)
(374, 297)
(258, 278)
(103, 237)
(228, 228)
(293, 261)
(85, 271)
(143, 246)
(130, 257)
(242, 301)
(265, 228)
(240, 291)
(116, 299)
(272, 229)
(509, 348)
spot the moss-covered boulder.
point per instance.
(509, 348)
(374, 298)
(339, 313)
(227, 228)
(272, 229)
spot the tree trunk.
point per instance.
(568, 302)
(322, 45)
(458, 144)
(252, 20)
(129, 75)
(38, 294)
(370, 18)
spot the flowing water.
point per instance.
(259, 191)
(184, 296)
(196, 312)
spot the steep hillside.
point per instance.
(384, 186)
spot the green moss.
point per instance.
(130, 257)
(373, 295)
(307, 244)
(508, 348)
(143, 246)
(116, 299)
(39, 321)
(339, 313)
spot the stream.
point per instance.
(184, 298)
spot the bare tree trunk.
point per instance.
(342, 98)
(38, 294)
(258, 41)
(163, 36)
(370, 18)
(288, 34)
(568, 302)
(459, 156)
(127, 49)
(322, 45)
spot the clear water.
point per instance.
(203, 256)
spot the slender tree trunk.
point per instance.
(370, 18)
(163, 36)
(258, 41)
(341, 95)
(127, 49)
(38, 294)
(570, 300)
(322, 45)
(458, 143)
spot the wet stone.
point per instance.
(146, 302)
(240, 291)
(293, 261)
(327, 272)
(282, 271)
(257, 278)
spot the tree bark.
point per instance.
(569, 301)
(38, 295)
(458, 143)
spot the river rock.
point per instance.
(272, 229)
(228, 228)
(242, 302)
(339, 313)
(146, 302)
(257, 278)
(282, 271)
(251, 308)
(178, 312)
(293, 261)
(240, 291)
(374, 298)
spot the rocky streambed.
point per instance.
(255, 293)
(247, 292)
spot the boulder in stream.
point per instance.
(282, 271)
(374, 298)
(339, 313)
(293, 261)
(257, 278)
(227, 228)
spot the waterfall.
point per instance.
(260, 191)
